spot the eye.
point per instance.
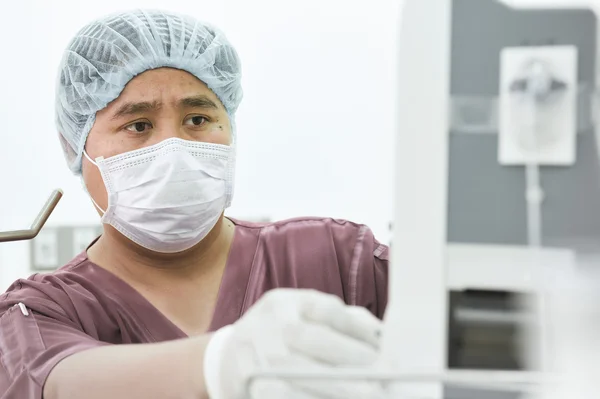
(138, 127)
(196, 120)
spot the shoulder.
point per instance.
(43, 319)
(309, 230)
(62, 295)
(316, 234)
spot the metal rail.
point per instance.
(502, 381)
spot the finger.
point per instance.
(328, 346)
(350, 320)
(371, 333)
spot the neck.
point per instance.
(138, 265)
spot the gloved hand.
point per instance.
(290, 328)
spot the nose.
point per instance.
(170, 125)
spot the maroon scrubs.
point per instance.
(83, 306)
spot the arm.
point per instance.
(45, 354)
(161, 370)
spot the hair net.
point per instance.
(106, 54)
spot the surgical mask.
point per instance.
(169, 196)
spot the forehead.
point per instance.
(163, 83)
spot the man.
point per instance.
(168, 302)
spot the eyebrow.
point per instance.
(128, 109)
(199, 101)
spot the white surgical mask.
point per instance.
(169, 196)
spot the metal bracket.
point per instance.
(38, 223)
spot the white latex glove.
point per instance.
(291, 329)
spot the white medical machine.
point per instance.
(481, 292)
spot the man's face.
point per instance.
(154, 106)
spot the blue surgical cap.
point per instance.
(106, 54)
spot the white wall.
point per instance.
(315, 127)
